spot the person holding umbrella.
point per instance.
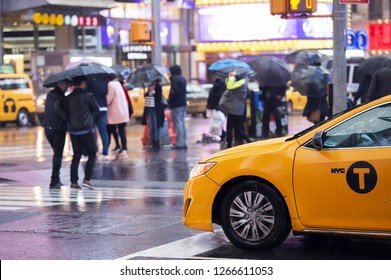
(55, 124)
(316, 108)
(79, 107)
(233, 103)
(154, 112)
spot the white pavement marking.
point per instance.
(17, 197)
(185, 248)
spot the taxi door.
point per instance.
(7, 106)
(342, 187)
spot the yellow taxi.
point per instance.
(17, 100)
(295, 101)
(332, 178)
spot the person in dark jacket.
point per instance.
(55, 124)
(79, 107)
(380, 84)
(154, 112)
(317, 98)
(272, 98)
(98, 86)
(177, 105)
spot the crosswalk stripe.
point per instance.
(15, 197)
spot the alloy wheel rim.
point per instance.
(252, 216)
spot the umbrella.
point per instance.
(370, 65)
(222, 74)
(90, 70)
(220, 64)
(122, 71)
(81, 62)
(271, 71)
(308, 57)
(311, 81)
(53, 79)
(148, 73)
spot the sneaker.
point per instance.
(104, 158)
(75, 186)
(55, 185)
(88, 184)
(116, 149)
(123, 154)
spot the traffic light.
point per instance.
(284, 7)
(140, 31)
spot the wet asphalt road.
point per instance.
(135, 210)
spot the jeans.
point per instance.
(80, 142)
(100, 120)
(56, 140)
(153, 129)
(178, 118)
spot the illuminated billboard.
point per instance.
(253, 22)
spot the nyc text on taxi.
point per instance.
(332, 178)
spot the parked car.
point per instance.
(331, 178)
(40, 111)
(197, 98)
(17, 99)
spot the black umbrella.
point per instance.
(148, 73)
(370, 65)
(90, 70)
(271, 71)
(222, 74)
(53, 79)
(122, 71)
(307, 57)
(311, 81)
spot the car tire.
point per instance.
(22, 119)
(254, 216)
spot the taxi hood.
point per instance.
(262, 145)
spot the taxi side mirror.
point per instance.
(317, 139)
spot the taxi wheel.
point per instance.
(254, 216)
(23, 118)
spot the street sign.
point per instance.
(353, 1)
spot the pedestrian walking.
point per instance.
(317, 108)
(272, 98)
(55, 124)
(233, 103)
(177, 105)
(113, 129)
(98, 86)
(154, 112)
(118, 113)
(79, 107)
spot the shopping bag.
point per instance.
(216, 122)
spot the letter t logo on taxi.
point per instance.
(361, 176)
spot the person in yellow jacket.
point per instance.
(233, 103)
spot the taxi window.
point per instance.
(371, 128)
(13, 83)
